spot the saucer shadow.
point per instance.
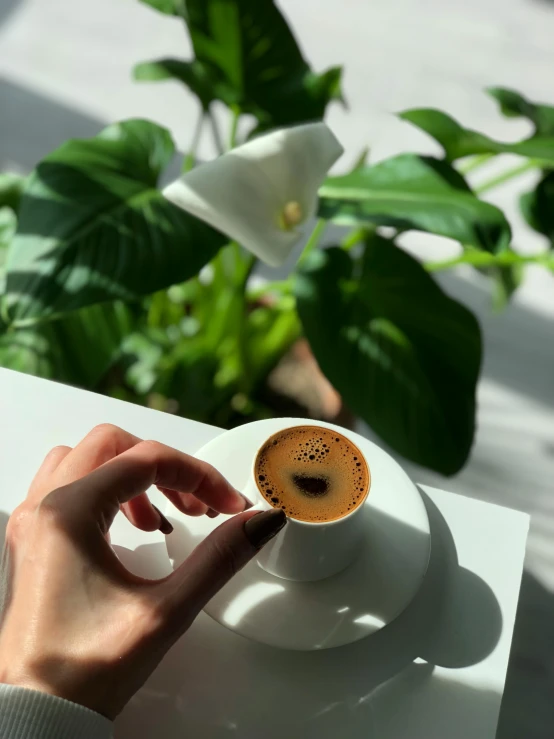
(453, 621)
(451, 599)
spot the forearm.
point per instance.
(27, 714)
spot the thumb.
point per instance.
(218, 557)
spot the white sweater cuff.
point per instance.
(28, 714)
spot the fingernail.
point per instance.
(165, 527)
(210, 513)
(247, 503)
(263, 526)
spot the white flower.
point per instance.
(260, 193)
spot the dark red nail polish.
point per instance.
(247, 503)
(210, 513)
(165, 527)
(263, 526)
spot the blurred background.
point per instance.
(65, 71)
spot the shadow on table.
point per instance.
(7, 7)
(437, 708)
(31, 125)
(528, 705)
(216, 684)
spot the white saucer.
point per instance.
(349, 606)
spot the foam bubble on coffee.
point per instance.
(313, 473)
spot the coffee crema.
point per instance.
(313, 473)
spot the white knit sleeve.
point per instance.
(28, 714)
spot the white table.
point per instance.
(438, 671)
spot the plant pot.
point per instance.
(297, 387)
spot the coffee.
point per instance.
(313, 473)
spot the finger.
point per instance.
(185, 502)
(148, 463)
(144, 515)
(40, 485)
(214, 562)
(100, 445)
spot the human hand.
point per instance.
(77, 624)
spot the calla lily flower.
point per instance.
(261, 193)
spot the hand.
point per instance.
(76, 623)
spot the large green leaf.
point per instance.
(538, 207)
(403, 355)
(195, 75)
(253, 56)
(94, 227)
(514, 105)
(458, 141)
(78, 348)
(414, 192)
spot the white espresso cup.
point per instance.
(310, 550)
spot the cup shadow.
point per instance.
(453, 621)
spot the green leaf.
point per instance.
(11, 189)
(8, 224)
(403, 355)
(458, 141)
(192, 74)
(414, 192)
(77, 349)
(538, 207)
(168, 7)
(94, 227)
(253, 57)
(514, 105)
(506, 281)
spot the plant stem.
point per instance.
(190, 159)
(509, 174)
(156, 310)
(235, 110)
(313, 241)
(243, 265)
(356, 236)
(216, 134)
(4, 317)
(474, 163)
(485, 259)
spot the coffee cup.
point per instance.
(320, 479)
